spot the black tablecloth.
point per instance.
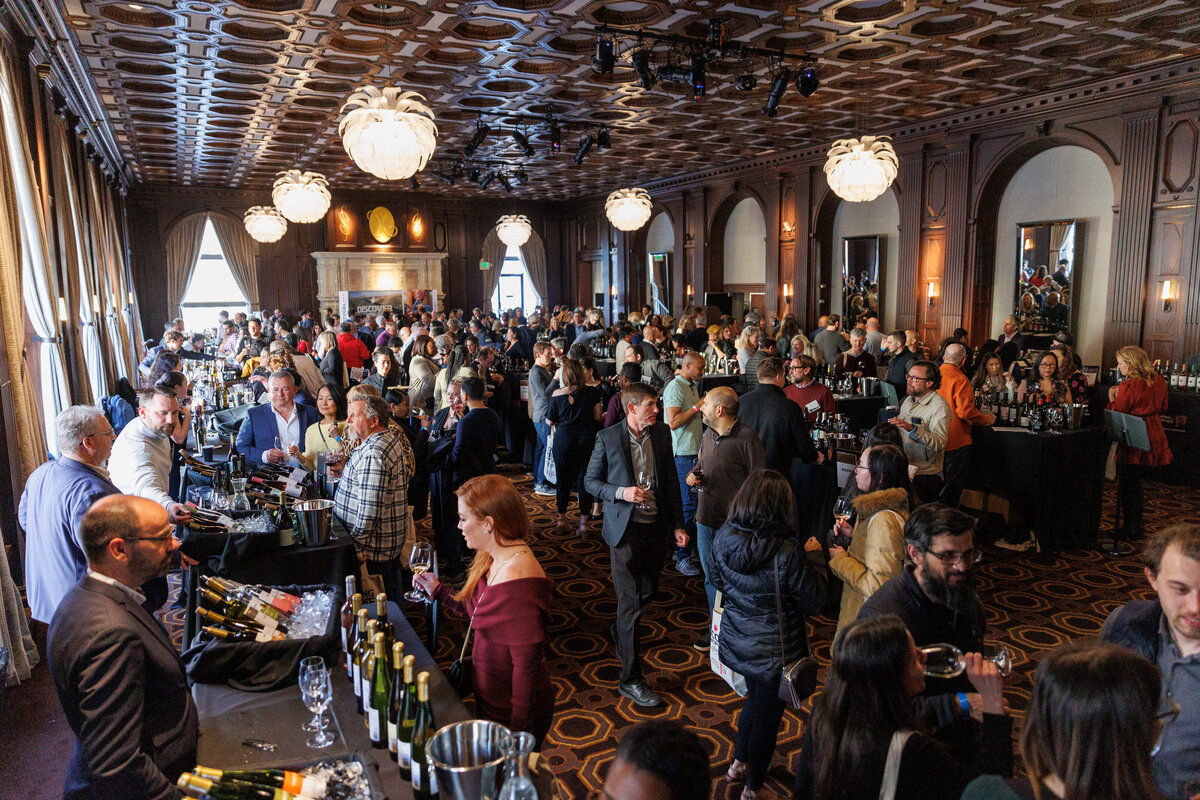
(861, 411)
(607, 367)
(713, 381)
(1182, 425)
(1054, 480)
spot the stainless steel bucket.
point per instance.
(315, 517)
(467, 759)
(1074, 415)
(869, 387)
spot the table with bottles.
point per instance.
(1181, 423)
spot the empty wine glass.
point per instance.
(947, 661)
(219, 499)
(420, 560)
(317, 691)
(307, 665)
(643, 481)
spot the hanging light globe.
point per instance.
(301, 196)
(859, 170)
(389, 133)
(513, 229)
(264, 223)
(628, 209)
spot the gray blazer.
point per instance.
(611, 469)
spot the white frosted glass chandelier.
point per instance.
(389, 133)
(513, 229)
(628, 209)
(301, 196)
(859, 170)
(264, 223)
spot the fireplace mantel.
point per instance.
(363, 272)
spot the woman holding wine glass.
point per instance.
(507, 599)
(328, 435)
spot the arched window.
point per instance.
(514, 288)
(212, 287)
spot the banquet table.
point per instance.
(718, 379)
(861, 411)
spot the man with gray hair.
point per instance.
(274, 433)
(957, 392)
(372, 496)
(311, 379)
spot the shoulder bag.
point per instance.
(799, 678)
(460, 673)
(891, 768)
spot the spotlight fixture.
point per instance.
(697, 77)
(585, 147)
(746, 83)
(487, 180)
(641, 65)
(602, 62)
(521, 178)
(473, 175)
(443, 177)
(504, 182)
(522, 142)
(778, 87)
(807, 81)
(555, 136)
(603, 139)
(482, 129)
(674, 73)
(413, 183)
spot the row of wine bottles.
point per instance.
(251, 784)
(239, 612)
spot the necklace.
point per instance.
(493, 574)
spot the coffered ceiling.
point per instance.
(225, 94)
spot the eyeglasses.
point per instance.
(916, 378)
(951, 559)
(1168, 712)
(857, 467)
(166, 537)
(109, 432)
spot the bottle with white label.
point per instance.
(396, 699)
(408, 719)
(381, 686)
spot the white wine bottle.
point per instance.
(381, 685)
(423, 781)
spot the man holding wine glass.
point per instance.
(273, 433)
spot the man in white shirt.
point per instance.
(141, 463)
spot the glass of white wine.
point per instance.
(644, 482)
(843, 507)
(420, 560)
(947, 661)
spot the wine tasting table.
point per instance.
(862, 412)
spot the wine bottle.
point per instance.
(356, 664)
(367, 668)
(293, 782)
(287, 528)
(423, 781)
(230, 789)
(381, 689)
(381, 617)
(350, 636)
(396, 698)
(408, 721)
(228, 607)
(228, 635)
(221, 621)
(348, 609)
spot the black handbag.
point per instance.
(798, 680)
(460, 673)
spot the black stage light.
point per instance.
(482, 129)
(521, 178)
(778, 87)
(674, 73)
(602, 62)
(487, 180)
(641, 64)
(473, 175)
(443, 177)
(585, 147)
(555, 137)
(697, 77)
(413, 183)
(504, 182)
(603, 139)
(746, 83)
(807, 81)
(522, 142)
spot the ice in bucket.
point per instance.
(468, 760)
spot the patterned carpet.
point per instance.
(1034, 603)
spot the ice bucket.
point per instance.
(315, 516)
(1074, 415)
(467, 759)
(868, 386)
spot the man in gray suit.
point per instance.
(120, 682)
(638, 520)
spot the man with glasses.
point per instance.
(806, 391)
(925, 418)
(1166, 631)
(119, 679)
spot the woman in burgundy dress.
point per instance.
(1143, 392)
(507, 598)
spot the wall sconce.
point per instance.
(690, 292)
(931, 293)
(1168, 295)
(416, 226)
(1029, 243)
(787, 293)
(613, 291)
(62, 310)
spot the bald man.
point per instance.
(119, 679)
(956, 390)
(874, 344)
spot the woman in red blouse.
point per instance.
(1143, 393)
(507, 598)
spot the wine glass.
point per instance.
(317, 691)
(843, 507)
(420, 560)
(947, 661)
(219, 499)
(644, 482)
(307, 665)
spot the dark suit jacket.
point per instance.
(258, 430)
(124, 692)
(475, 440)
(611, 469)
(333, 367)
(781, 425)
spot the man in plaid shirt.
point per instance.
(372, 497)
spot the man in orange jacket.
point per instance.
(956, 390)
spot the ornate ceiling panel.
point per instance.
(227, 94)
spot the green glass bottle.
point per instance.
(381, 689)
(408, 721)
(396, 699)
(423, 781)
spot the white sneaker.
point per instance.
(544, 490)
(1020, 547)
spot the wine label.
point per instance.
(365, 690)
(418, 775)
(357, 682)
(224, 520)
(373, 723)
(297, 475)
(292, 489)
(393, 736)
(404, 753)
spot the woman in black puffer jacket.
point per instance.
(758, 538)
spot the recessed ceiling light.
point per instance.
(135, 7)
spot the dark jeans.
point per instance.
(684, 465)
(448, 541)
(572, 450)
(636, 564)
(955, 464)
(758, 728)
(927, 488)
(539, 452)
(1131, 496)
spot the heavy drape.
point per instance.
(494, 252)
(533, 253)
(241, 253)
(117, 297)
(183, 248)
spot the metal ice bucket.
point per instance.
(869, 387)
(467, 759)
(315, 517)
(1073, 413)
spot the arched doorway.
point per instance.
(743, 247)
(862, 234)
(660, 261)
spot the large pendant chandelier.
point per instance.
(264, 223)
(389, 133)
(628, 209)
(859, 170)
(513, 229)
(301, 196)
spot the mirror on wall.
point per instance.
(862, 268)
(1047, 279)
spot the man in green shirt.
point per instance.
(681, 405)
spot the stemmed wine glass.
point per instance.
(947, 661)
(316, 689)
(306, 664)
(420, 560)
(843, 507)
(643, 481)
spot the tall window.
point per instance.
(212, 286)
(514, 289)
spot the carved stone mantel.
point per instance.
(362, 272)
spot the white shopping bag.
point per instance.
(734, 679)
(548, 468)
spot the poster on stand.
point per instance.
(351, 303)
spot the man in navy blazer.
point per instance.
(56, 496)
(282, 419)
(637, 522)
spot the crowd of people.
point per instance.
(407, 410)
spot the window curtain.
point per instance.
(494, 252)
(123, 330)
(183, 249)
(1058, 235)
(241, 253)
(533, 253)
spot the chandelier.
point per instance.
(628, 209)
(301, 196)
(264, 223)
(389, 133)
(859, 170)
(513, 229)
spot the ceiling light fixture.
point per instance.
(522, 142)
(628, 209)
(555, 135)
(443, 177)
(487, 180)
(504, 182)
(807, 81)
(514, 229)
(521, 178)
(603, 138)
(482, 129)
(697, 77)
(641, 65)
(473, 174)
(264, 223)
(585, 147)
(603, 61)
(859, 170)
(746, 83)
(389, 133)
(778, 88)
(301, 196)
(413, 183)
